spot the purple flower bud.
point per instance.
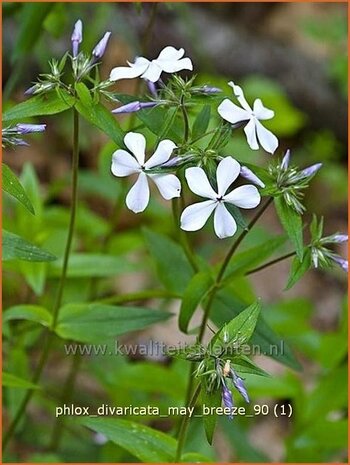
(176, 161)
(285, 160)
(28, 128)
(31, 90)
(310, 171)
(151, 87)
(339, 238)
(341, 262)
(227, 398)
(77, 37)
(239, 385)
(209, 90)
(100, 48)
(134, 106)
(250, 176)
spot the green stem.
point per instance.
(143, 295)
(221, 272)
(55, 312)
(184, 426)
(270, 263)
(186, 122)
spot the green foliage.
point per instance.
(15, 247)
(292, 224)
(13, 381)
(12, 185)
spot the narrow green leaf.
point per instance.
(201, 123)
(11, 185)
(98, 323)
(243, 365)
(210, 399)
(83, 265)
(292, 224)
(239, 330)
(269, 343)
(28, 312)
(299, 268)
(13, 381)
(146, 444)
(100, 117)
(173, 268)
(196, 290)
(48, 104)
(15, 247)
(83, 94)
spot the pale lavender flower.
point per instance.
(77, 37)
(208, 90)
(134, 106)
(239, 385)
(227, 398)
(100, 48)
(339, 238)
(285, 160)
(31, 90)
(23, 128)
(250, 176)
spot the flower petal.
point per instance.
(268, 141)
(171, 53)
(138, 196)
(224, 223)
(153, 72)
(232, 113)
(168, 185)
(250, 132)
(162, 154)
(134, 70)
(246, 196)
(195, 216)
(198, 182)
(175, 66)
(136, 143)
(262, 112)
(227, 171)
(240, 96)
(124, 164)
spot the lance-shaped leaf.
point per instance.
(145, 443)
(96, 323)
(33, 313)
(15, 247)
(238, 331)
(11, 185)
(210, 399)
(13, 381)
(292, 224)
(299, 268)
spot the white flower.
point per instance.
(169, 60)
(125, 164)
(254, 130)
(195, 216)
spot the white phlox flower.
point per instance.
(195, 216)
(170, 60)
(254, 130)
(125, 164)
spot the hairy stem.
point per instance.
(57, 304)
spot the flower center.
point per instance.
(220, 199)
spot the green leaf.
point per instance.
(95, 323)
(11, 185)
(100, 117)
(210, 399)
(83, 94)
(28, 312)
(251, 258)
(83, 265)
(243, 365)
(195, 352)
(269, 343)
(299, 268)
(194, 457)
(197, 289)
(201, 123)
(48, 104)
(145, 443)
(13, 381)
(238, 331)
(15, 247)
(173, 268)
(292, 224)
